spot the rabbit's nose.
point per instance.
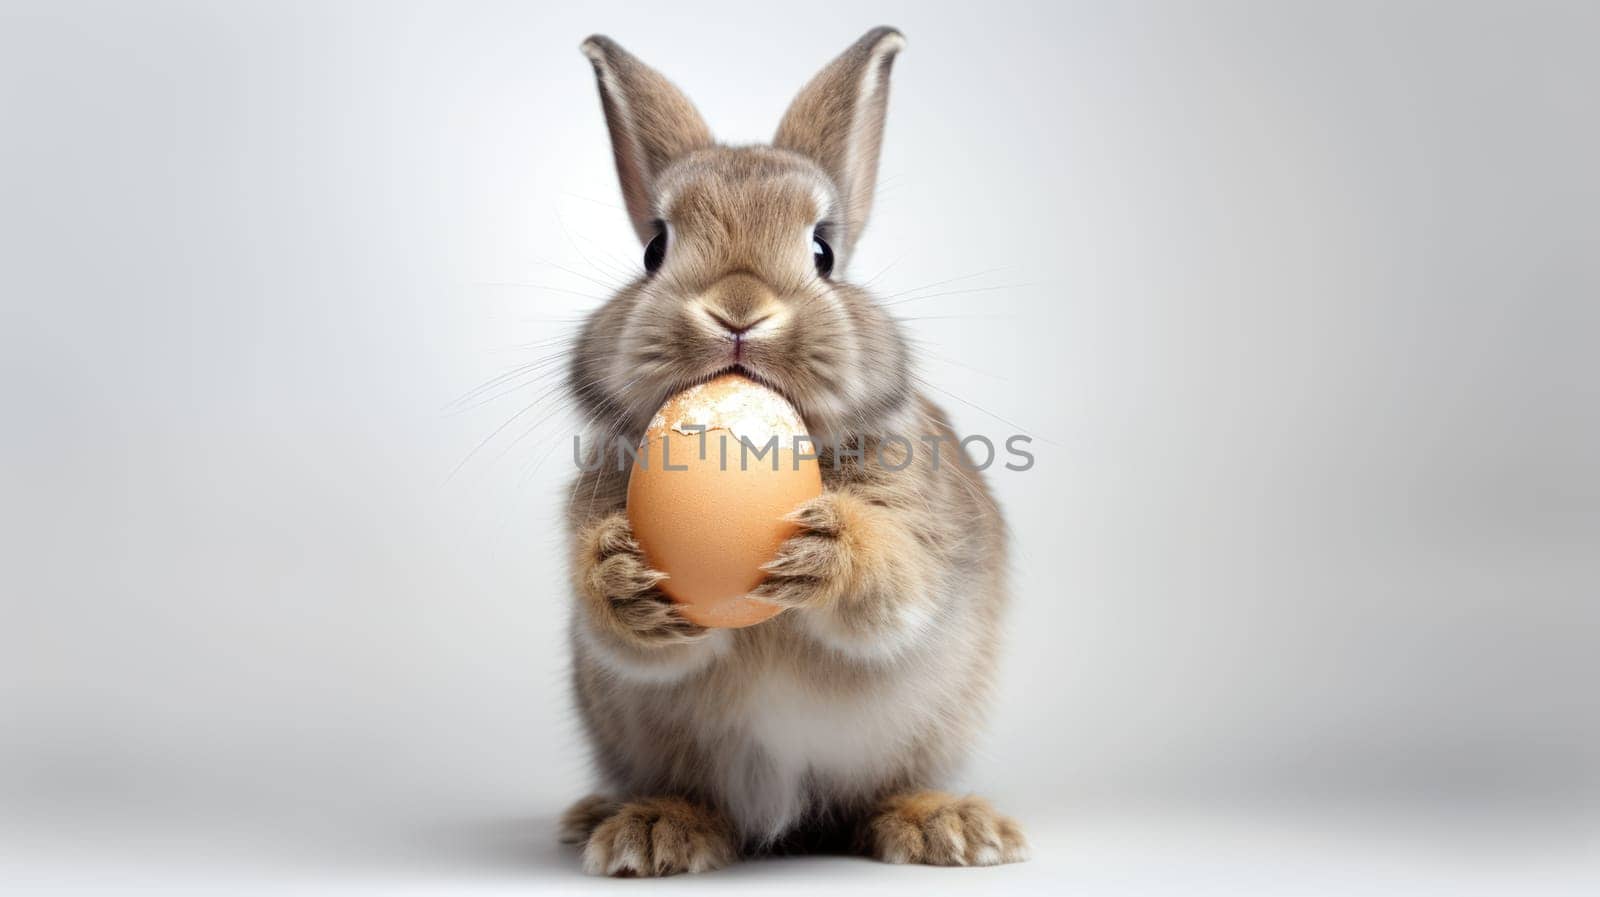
(734, 327)
(739, 302)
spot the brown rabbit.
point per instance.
(825, 727)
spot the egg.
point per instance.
(708, 507)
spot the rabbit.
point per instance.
(829, 726)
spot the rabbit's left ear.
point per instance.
(837, 121)
(651, 122)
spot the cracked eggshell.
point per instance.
(711, 522)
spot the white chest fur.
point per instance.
(787, 735)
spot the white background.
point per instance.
(1299, 302)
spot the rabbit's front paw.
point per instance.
(623, 589)
(813, 563)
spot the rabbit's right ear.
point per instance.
(837, 120)
(651, 123)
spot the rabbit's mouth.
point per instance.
(745, 370)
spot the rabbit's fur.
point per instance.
(825, 726)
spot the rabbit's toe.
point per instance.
(582, 818)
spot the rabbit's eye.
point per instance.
(655, 252)
(822, 254)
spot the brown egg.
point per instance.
(706, 509)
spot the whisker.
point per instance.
(537, 344)
(518, 371)
(540, 286)
(598, 202)
(576, 273)
(572, 241)
(1020, 428)
(882, 271)
(1000, 317)
(1003, 286)
(536, 379)
(944, 359)
(948, 280)
(498, 430)
(566, 403)
(532, 467)
(627, 270)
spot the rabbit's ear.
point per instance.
(651, 123)
(837, 121)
